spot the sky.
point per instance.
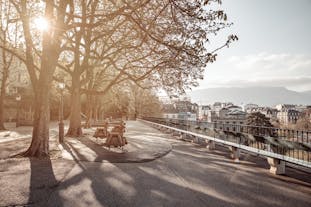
(274, 47)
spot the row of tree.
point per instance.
(97, 46)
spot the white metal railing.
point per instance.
(238, 145)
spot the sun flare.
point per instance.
(41, 24)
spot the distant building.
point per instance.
(169, 111)
(301, 108)
(234, 108)
(280, 107)
(18, 76)
(249, 107)
(288, 116)
(203, 112)
(231, 120)
(216, 106)
(180, 109)
(237, 115)
(222, 113)
(226, 104)
(270, 113)
(230, 114)
(211, 116)
(17, 85)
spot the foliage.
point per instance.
(258, 119)
(259, 124)
(304, 123)
(102, 44)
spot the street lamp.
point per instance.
(61, 87)
(18, 98)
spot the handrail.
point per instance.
(244, 125)
(290, 145)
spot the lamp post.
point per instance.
(61, 87)
(18, 98)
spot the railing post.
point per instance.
(235, 153)
(277, 166)
(284, 142)
(210, 144)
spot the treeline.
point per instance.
(106, 52)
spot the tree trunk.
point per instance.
(2, 97)
(5, 76)
(51, 41)
(2, 111)
(89, 110)
(95, 114)
(75, 129)
(40, 135)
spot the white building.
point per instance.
(288, 116)
(203, 112)
(280, 107)
(230, 114)
(249, 107)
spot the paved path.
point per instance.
(188, 175)
(144, 144)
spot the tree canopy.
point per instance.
(258, 119)
(101, 43)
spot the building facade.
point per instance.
(288, 116)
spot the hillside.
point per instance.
(264, 96)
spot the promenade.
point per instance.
(153, 170)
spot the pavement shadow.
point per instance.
(221, 158)
(174, 180)
(115, 186)
(140, 151)
(42, 183)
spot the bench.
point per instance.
(101, 130)
(115, 136)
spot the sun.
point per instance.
(41, 24)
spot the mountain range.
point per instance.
(263, 96)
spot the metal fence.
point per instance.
(289, 143)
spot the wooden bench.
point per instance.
(101, 131)
(113, 131)
(116, 135)
(103, 127)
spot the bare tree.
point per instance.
(144, 102)
(162, 41)
(6, 57)
(304, 123)
(40, 52)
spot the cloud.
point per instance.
(279, 70)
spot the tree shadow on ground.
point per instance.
(120, 187)
(31, 181)
(221, 157)
(180, 180)
(42, 182)
(148, 152)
